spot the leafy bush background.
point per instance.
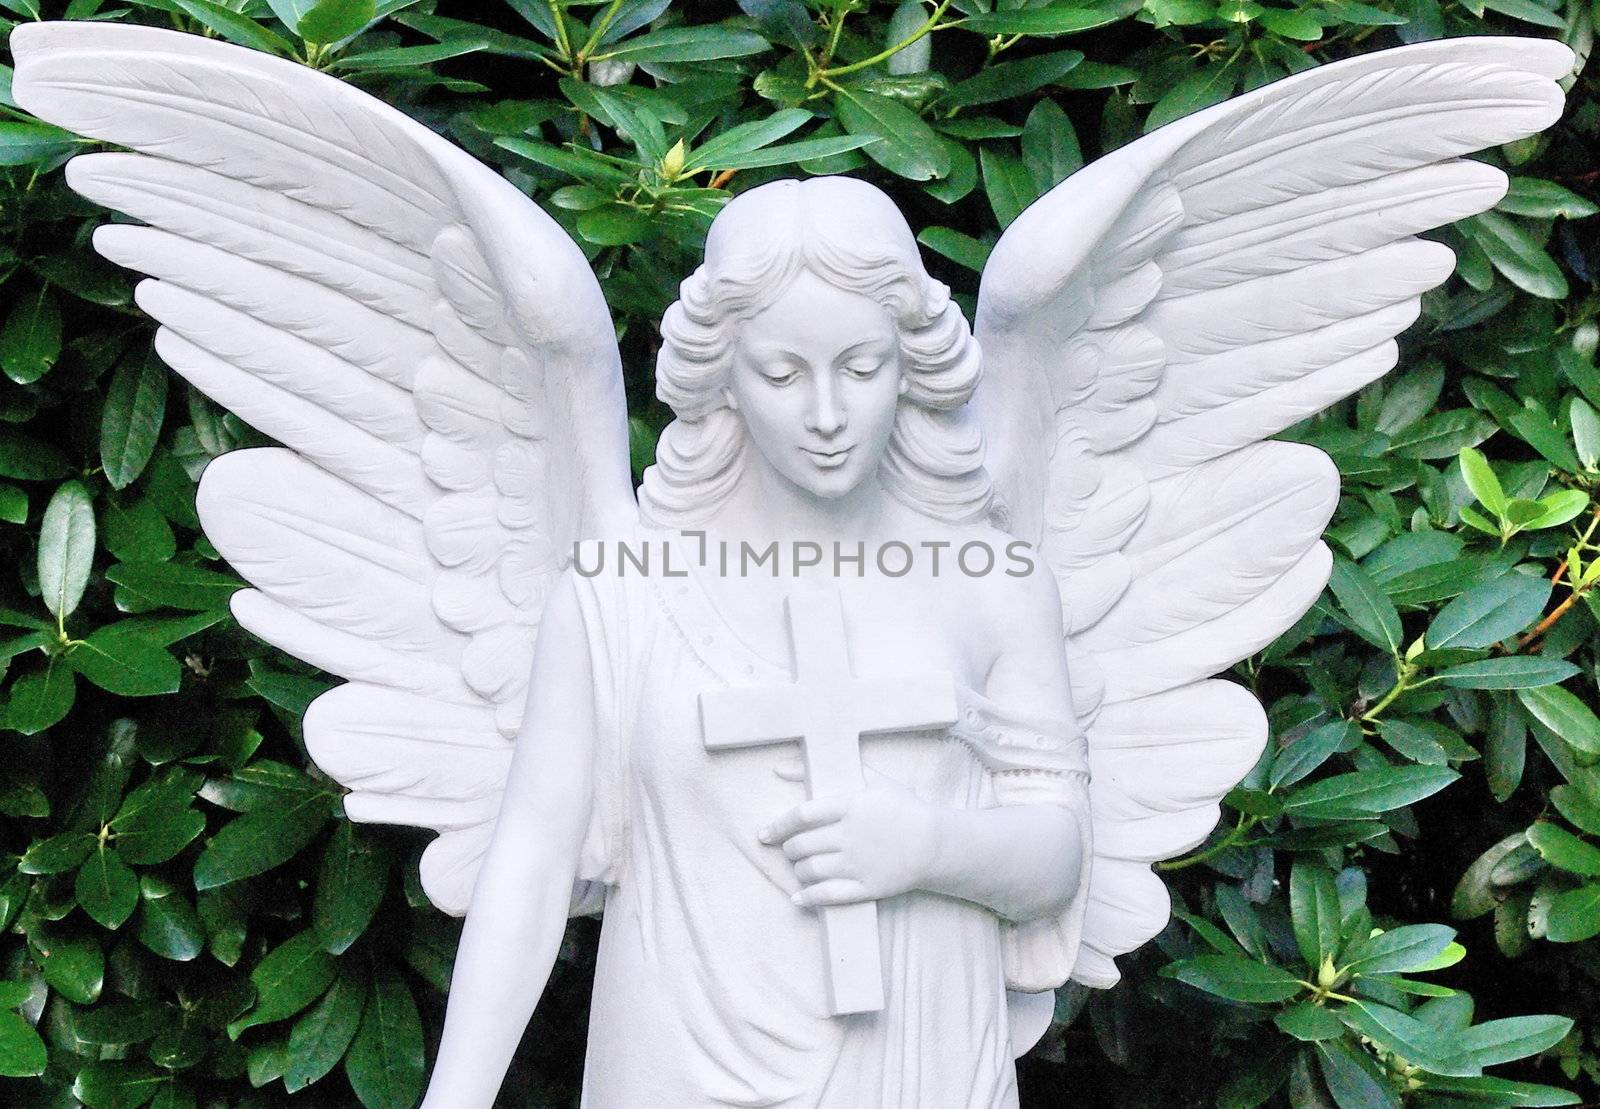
(187, 918)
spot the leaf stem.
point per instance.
(1234, 835)
(599, 31)
(930, 24)
(563, 41)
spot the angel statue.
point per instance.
(848, 819)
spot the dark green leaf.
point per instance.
(332, 20)
(1235, 977)
(57, 854)
(907, 146)
(685, 44)
(385, 1060)
(175, 584)
(1412, 947)
(1560, 848)
(167, 923)
(322, 1036)
(30, 338)
(289, 978)
(22, 1052)
(1564, 714)
(1006, 183)
(122, 659)
(258, 841)
(72, 963)
(66, 548)
(1488, 613)
(1054, 20)
(1368, 792)
(1502, 1041)
(117, 1085)
(106, 889)
(1307, 1021)
(1372, 614)
(41, 698)
(1574, 915)
(1005, 80)
(131, 420)
(1314, 910)
(349, 887)
(1510, 672)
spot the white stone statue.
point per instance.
(436, 358)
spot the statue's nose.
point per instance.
(826, 415)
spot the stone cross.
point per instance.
(827, 710)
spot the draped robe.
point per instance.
(709, 987)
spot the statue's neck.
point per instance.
(767, 506)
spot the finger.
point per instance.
(819, 868)
(807, 814)
(791, 770)
(815, 842)
(833, 891)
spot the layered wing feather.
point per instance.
(431, 349)
(1148, 324)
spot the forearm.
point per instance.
(508, 947)
(1021, 861)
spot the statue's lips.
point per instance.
(828, 460)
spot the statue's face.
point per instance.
(817, 378)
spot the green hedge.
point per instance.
(187, 919)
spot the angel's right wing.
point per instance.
(432, 350)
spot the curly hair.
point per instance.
(851, 235)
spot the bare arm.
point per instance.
(519, 906)
(1023, 861)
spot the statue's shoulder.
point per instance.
(997, 576)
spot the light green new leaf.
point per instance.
(1480, 478)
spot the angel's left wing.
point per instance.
(1146, 326)
(431, 350)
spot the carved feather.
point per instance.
(1203, 289)
(340, 277)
